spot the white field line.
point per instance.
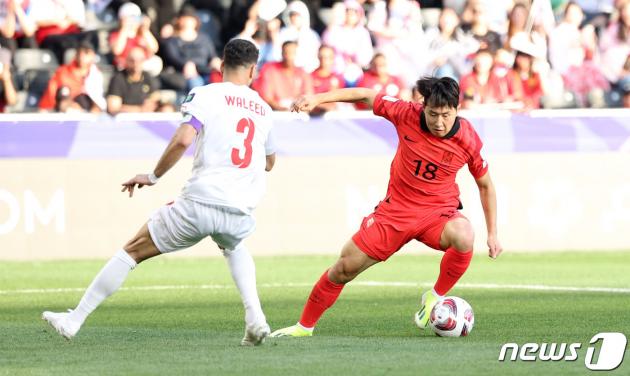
(483, 286)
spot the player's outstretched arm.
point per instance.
(488, 197)
(307, 103)
(183, 138)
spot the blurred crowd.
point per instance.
(144, 56)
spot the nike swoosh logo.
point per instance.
(408, 139)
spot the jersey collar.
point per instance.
(453, 131)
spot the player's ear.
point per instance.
(222, 68)
(252, 71)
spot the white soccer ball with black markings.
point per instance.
(452, 317)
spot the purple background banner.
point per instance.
(137, 137)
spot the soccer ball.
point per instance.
(452, 317)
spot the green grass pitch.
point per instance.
(179, 316)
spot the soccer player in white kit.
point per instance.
(234, 148)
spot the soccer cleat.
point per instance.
(421, 318)
(255, 334)
(59, 321)
(296, 330)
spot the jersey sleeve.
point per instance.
(192, 110)
(477, 165)
(390, 108)
(270, 143)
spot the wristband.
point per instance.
(153, 179)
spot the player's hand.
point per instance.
(140, 180)
(494, 247)
(304, 103)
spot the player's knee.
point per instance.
(464, 240)
(136, 248)
(342, 272)
(462, 236)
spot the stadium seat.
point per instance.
(26, 59)
(20, 103)
(564, 99)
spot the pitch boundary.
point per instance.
(482, 286)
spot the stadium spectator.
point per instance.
(280, 83)
(565, 42)
(264, 35)
(134, 31)
(482, 86)
(76, 86)
(397, 28)
(479, 27)
(8, 95)
(133, 90)
(325, 79)
(517, 28)
(16, 24)
(297, 20)
(379, 79)
(59, 24)
(191, 55)
(448, 47)
(524, 81)
(351, 42)
(615, 44)
(624, 83)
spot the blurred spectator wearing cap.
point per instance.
(16, 24)
(351, 42)
(280, 83)
(76, 86)
(379, 79)
(133, 90)
(448, 47)
(298, 28)
(397, 27)
(190, 54)
(8, 95)
(325, 79)
(134, 31)
(59, 24)
(482, 86)
(479, 27)
(615, 44)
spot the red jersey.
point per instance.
(322, 84)
(392, 87)
(425, 166)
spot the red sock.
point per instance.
(452, 267)
(324, 294)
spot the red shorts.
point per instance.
(382, 233)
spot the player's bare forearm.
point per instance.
(183, 138)
(488, 196)
(307, 103)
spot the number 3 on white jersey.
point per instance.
(245, 125)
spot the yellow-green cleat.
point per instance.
(296, 330)
(421, 318)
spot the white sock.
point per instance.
(106, 282)
(243, 272)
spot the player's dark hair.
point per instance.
(239, 53)
(287, 43)
(439, 92)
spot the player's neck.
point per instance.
(237, 78)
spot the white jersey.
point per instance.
(234, 137)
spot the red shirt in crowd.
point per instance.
(392, 86)
(280, 86)
(66, 75)
(324, 83)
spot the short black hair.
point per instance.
(439, 92)
(288, 42)
(239, 53)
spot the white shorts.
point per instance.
(185, 223)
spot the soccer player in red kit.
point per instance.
(422, 200)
